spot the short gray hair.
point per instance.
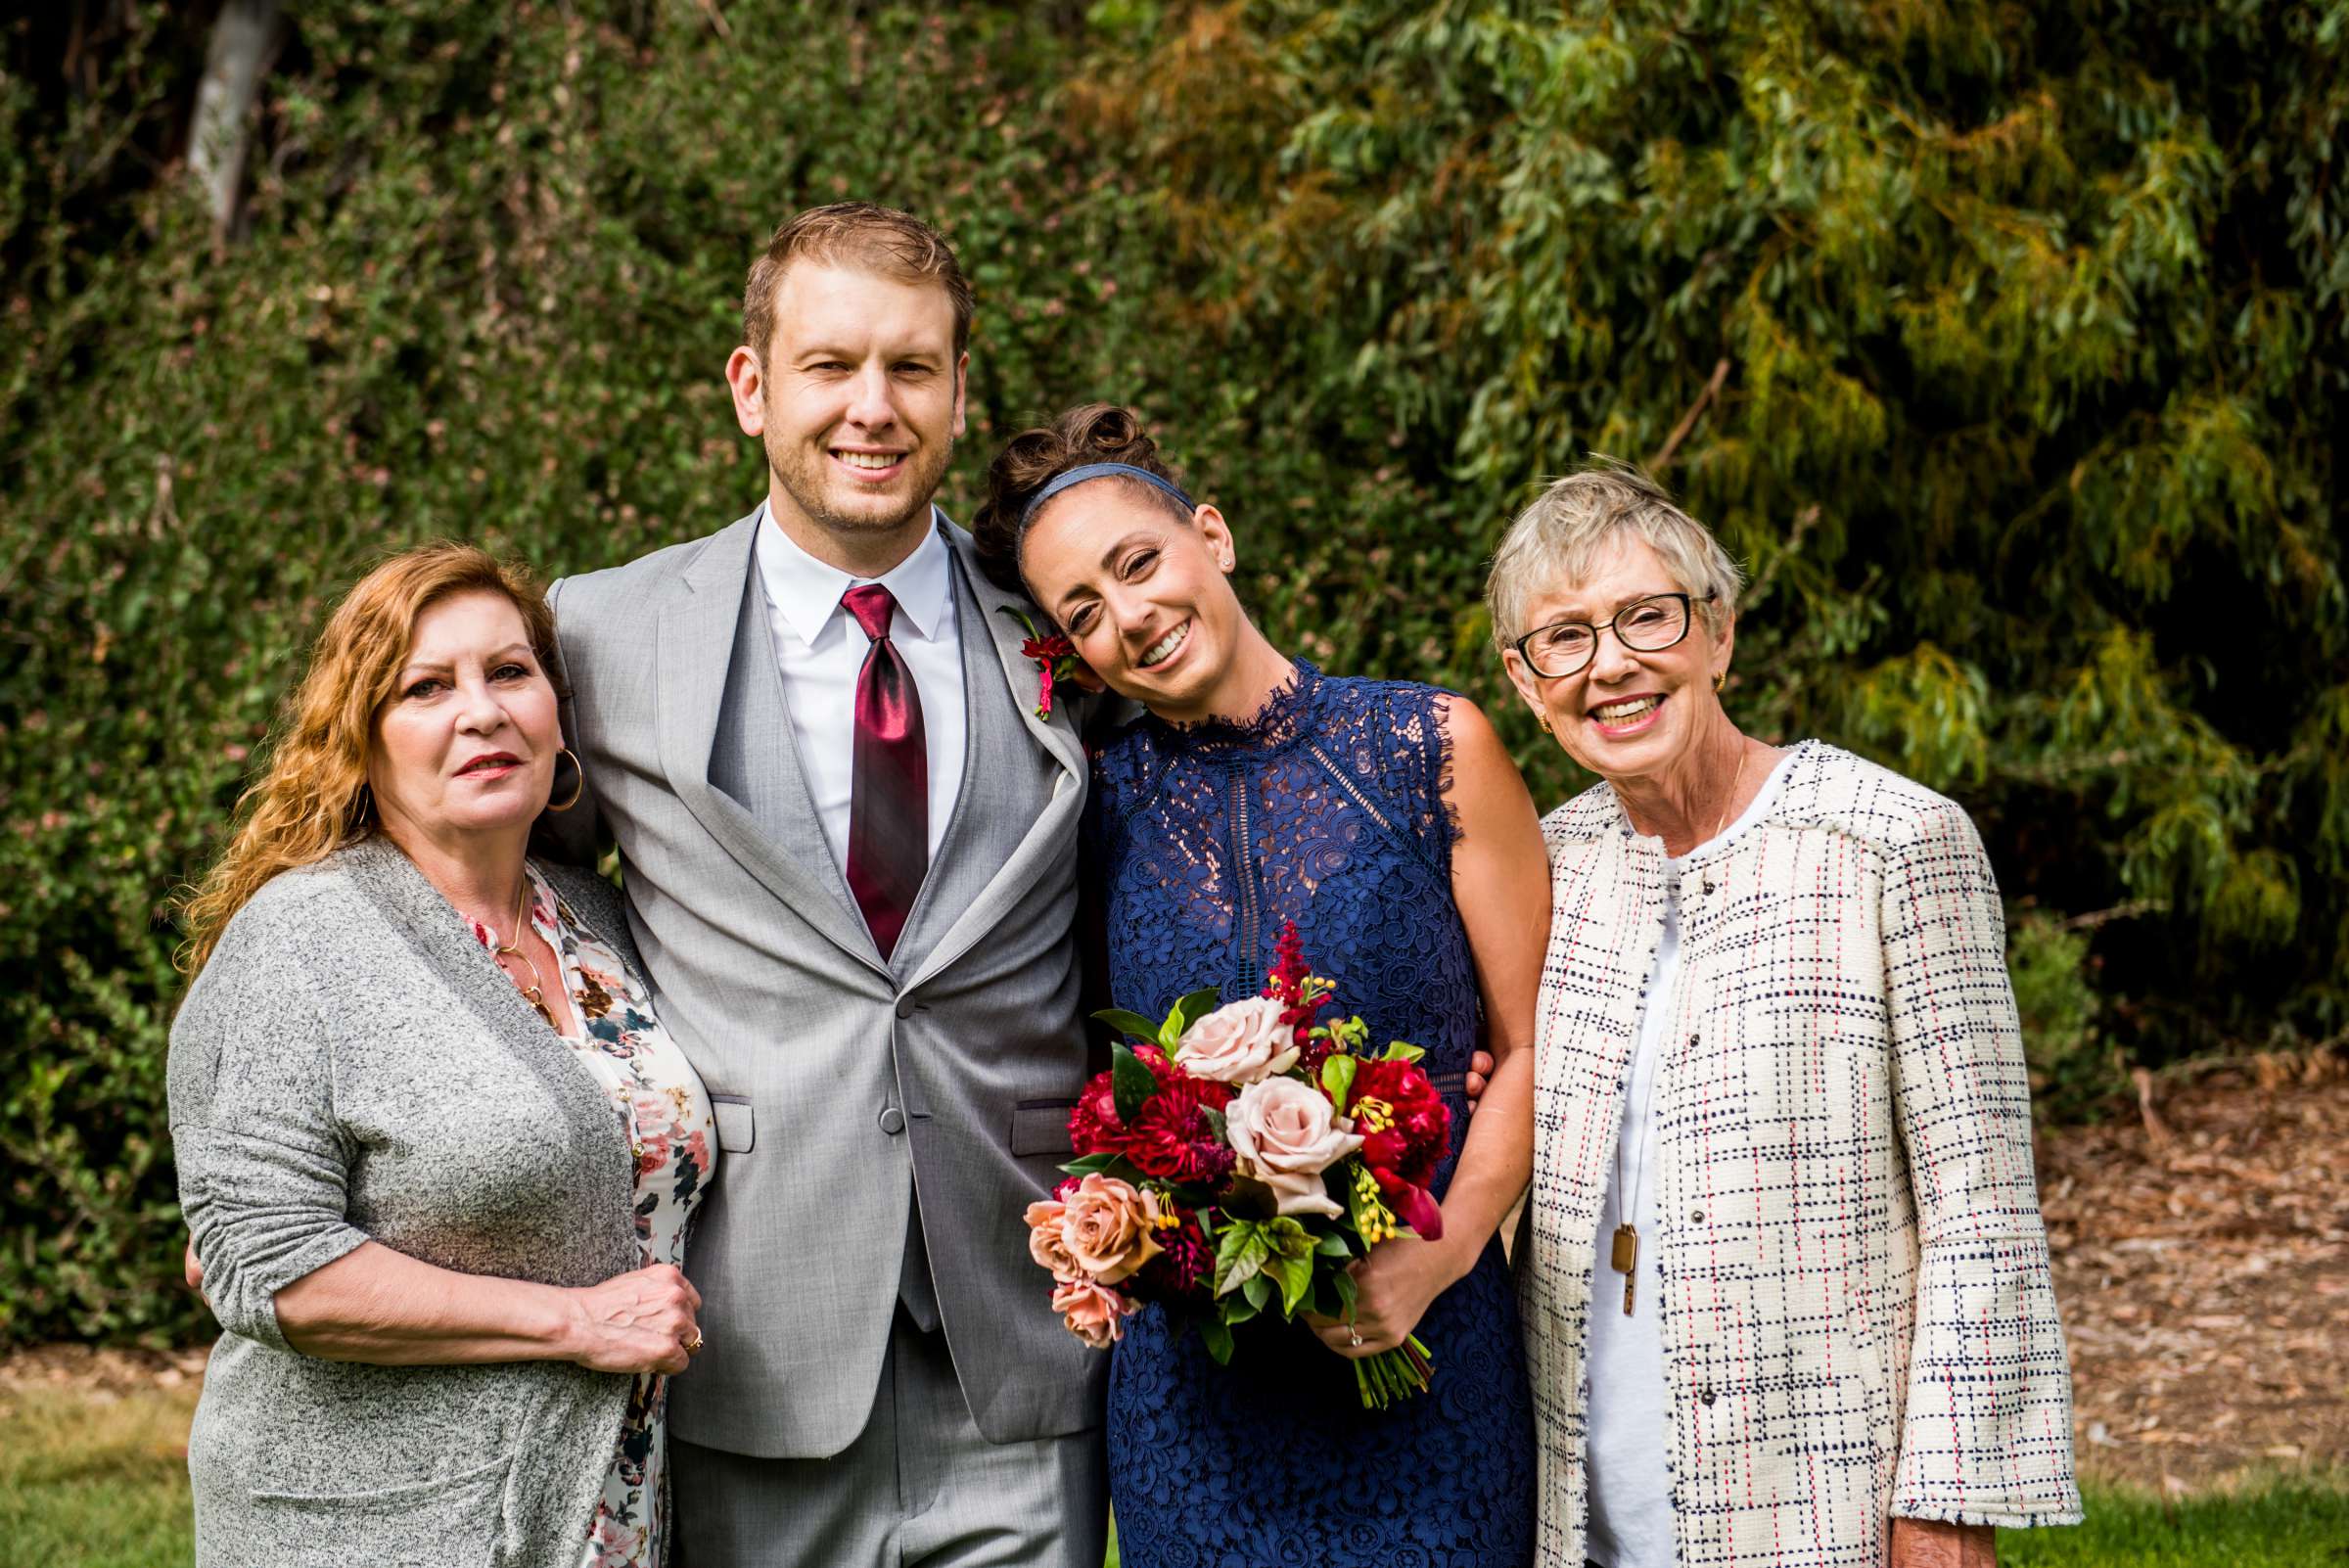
(1554, 540)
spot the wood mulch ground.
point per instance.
(2203, 1269)
(2202, 1265)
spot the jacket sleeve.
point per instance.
(263, 1164)
(1987, 1438)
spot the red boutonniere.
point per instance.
(1055, 658)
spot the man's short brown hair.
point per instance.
(881, 239)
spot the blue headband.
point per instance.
(1091, 471)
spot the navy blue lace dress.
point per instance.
(1326, 809)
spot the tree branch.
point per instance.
(1696, 411)
(243, 40)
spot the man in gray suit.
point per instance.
(850, 853)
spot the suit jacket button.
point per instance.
(1705, 1397)
(893, 1121)
(906, 1008)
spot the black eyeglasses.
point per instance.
(1644, 625)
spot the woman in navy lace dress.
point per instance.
(1386, 821)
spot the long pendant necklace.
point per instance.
(1623, 1255)
(535, 992)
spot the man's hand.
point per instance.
(193, 1268)
(1930, 1543)
(1480, 1071)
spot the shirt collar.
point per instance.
(808, 591)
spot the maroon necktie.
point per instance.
(889, 798)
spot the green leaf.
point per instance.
(1337, 1080)
(1295, 1276)
(1216, 1122)
(1131, 1081)
(1333, 1244)
(1343, 1284)
(1403, 1052)
(1188, 1011)
(1240, 1255)
(1131, 1025)
(1286, 1237)
(1108, 1165)
(1259, 1289)
(1215, 1335)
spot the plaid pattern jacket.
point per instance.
(1857, 1319)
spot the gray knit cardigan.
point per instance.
(352, 1065)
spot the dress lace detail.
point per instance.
(1327, 808)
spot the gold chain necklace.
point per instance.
(535, 992)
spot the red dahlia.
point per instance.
(1185, 1265)
(1170, 1137)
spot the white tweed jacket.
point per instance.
(1857, 1319)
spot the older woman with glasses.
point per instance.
(1788, 1300)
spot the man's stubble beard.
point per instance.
(806, 490)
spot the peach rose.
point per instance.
(1044, 1242)
(1239, 1042)
(1286, 1134)
(1106, 1226)
(1094, 1313)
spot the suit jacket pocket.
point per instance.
(1041, 1126)
(736, 1129)
(446, 1522)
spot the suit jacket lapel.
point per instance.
(1056, 734)
(696, 647)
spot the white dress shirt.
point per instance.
(821, 650)
(1630, 1481)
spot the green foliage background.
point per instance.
(2024, 325)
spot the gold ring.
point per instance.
(694, 1344)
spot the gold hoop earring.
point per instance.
(579, 789)
(1541, 718)
(1719, 681)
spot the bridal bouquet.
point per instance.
(1235, 1161)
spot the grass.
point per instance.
(96, 1481)
(89, 1480)
(2283, 1522)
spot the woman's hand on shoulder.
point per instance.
(641, 1321)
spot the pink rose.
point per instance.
(1239, 1042)
(1107, 1226)
(1286, 1134)
(1044, 1243)
(1094, 1313)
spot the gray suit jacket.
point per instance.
(885, 1124)
(352, 1065)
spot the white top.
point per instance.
(821, 649)
(1630, 1481)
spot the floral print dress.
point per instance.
(659, 1100)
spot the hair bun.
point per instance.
(1091, 433)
